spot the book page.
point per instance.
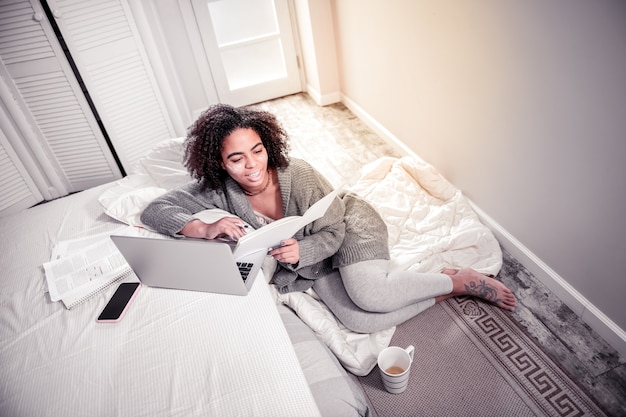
(269, 236)
(93, 265)
(318, 209)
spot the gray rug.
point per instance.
(471, 359)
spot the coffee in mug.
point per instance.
(394, 370)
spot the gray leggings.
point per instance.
(366, 298)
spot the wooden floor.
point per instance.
(330, 138)
(338, 144)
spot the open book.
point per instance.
(269, 236)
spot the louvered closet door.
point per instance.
(58, 138)
(103, 40)
(17, 188)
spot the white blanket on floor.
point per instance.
(431, 227)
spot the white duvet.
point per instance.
(431, 226)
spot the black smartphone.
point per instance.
(116, 308)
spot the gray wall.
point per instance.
(520, 104)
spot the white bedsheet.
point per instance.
(176, 353)
(431, 226)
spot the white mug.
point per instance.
(395, 366)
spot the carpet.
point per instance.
(471, 359)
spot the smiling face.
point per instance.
(244, 158)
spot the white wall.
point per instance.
(317, 43)
(522, 105)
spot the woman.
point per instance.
(239, 158)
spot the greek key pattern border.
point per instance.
(519, 358)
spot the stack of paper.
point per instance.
(81, 268)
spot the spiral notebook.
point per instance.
(82, 268)
(73, 299)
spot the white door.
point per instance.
(104, 42)
(17, 189)
(50, 136)
(250, 47)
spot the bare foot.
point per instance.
(470, 282)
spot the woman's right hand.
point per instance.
(231, 227)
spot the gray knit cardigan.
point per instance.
(349, 232)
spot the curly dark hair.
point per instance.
(203, 146)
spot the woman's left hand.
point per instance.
(288, 252)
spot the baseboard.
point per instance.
(377, 127)
(588, 312)
(595, 318)
(323, 100)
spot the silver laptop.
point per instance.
(209, 265)
(188, 264)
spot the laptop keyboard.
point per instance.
(244, 269)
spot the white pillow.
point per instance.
(156, 173)
(126, 205)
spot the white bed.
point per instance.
(175, 353)
(185, 353)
